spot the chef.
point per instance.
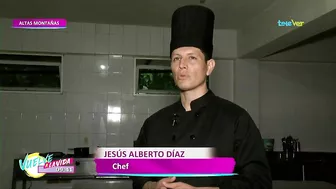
(200, 118)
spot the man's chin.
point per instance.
(184, 88)
(187, 87)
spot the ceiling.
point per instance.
(229, 14)
(319, 48)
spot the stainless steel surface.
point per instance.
(99, 184)
(112, 177)
(80, 184)
(85, 166)
(302, 185)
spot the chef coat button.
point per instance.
(173, 137)
(197, 115)
(192, 137)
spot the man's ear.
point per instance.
(210, 66)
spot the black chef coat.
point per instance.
(212, 122)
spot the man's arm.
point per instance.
(251, 161)
(142, 182)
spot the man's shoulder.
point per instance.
(167, 111)
(228, 107)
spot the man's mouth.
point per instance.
(182, 77)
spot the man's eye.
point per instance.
(192, 57)
(176, 58)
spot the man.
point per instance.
(201, 119)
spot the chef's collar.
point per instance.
(197, 103)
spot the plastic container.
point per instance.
(269, 144)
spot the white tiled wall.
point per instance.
(104, 39)
(96, 108)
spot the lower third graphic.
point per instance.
(62, 166)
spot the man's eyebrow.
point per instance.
(176, 54)
(191, 53)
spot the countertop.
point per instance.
(302, 185)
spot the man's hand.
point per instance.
(181, 185)
(160, 183)
(177, 185)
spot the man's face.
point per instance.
(189, 67)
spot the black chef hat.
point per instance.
(193, 26)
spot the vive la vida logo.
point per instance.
(30, 165)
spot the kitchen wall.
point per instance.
(95, 109)
(288, 98)
(99, 110)
(299, 99)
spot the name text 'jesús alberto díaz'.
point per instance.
(144, 154)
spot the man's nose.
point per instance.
(183, 63)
